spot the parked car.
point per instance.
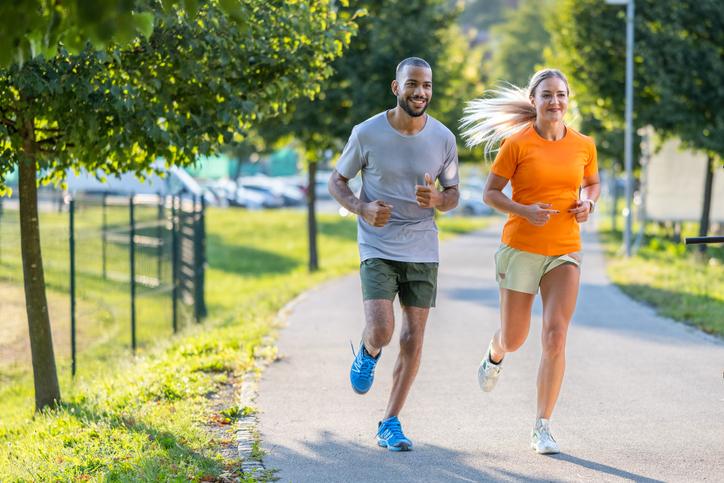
(270, 197)
(286, 189)
(471, 203)
(173, 181)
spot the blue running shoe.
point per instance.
(362, 373)
(390, 435)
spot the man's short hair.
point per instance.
(412, 61)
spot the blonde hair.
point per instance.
(507, 111)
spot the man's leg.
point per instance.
(379, 325)
(408, 361)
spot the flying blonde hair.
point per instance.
(507, 111)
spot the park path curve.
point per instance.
(643, 397)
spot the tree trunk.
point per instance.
(47, 389)
(312, 216)
(706, 207)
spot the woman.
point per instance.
(554, 174)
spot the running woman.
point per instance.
(554, 175)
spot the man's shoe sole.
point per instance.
(402, 447)
(360, 392)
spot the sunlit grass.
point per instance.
(147, 417)
(673, 278)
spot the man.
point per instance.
(400, 153)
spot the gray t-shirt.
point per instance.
(392, 164)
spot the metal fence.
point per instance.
(120, 270)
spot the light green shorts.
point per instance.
(522, 271)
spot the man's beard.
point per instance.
(408, 109)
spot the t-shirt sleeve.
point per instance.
(591, 167)
(351, 161)
(506, 161)
(449, 174)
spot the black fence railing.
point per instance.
(120, 270)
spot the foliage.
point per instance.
(483, 14)
(360, 86)
(519, 42)
(678, 65)
(197, 82)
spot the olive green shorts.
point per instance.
(522, 271)
(415, 282)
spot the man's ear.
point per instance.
(395, 87)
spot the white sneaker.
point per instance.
(542, 440)
(488, 372)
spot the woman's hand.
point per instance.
(581, 211)
(539, 213)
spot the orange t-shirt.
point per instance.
(548, 172)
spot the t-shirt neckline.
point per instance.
(407, 136)
(537, 135)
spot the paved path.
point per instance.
(643, 397)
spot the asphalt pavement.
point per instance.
(642, 399)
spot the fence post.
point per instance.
(159, 237)
(104, 234)
(201, 264)
(174, 263)
(132, 250)
(71, 229)
(197, 258)
(1, 229)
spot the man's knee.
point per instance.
(380, 335)
(411, 340)
(380, 322)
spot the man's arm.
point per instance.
(376, 213)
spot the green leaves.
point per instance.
(34, 28)
(677, 66)
(207, 74)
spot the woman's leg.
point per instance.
(515, 309)
(559, 291)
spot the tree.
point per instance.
(483, 14)
(678, 69)
(201, 79)
(519, 42)
(360, 86)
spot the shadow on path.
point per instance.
(601, 468)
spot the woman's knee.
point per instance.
(554, 340)
(511, 342)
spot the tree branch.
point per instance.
(51, 151)
(50, 140)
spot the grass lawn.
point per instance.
(669, 276)
(157, 416)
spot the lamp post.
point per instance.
(628, 136)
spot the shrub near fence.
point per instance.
(118, 273)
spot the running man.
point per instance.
(400, 153)
(554, 174)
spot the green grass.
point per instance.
(669, 276)
(150, 417)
